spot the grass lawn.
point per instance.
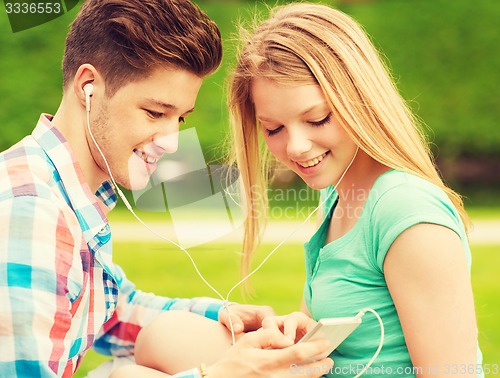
(166, 271)
(121, 214)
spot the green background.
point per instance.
(445, 57)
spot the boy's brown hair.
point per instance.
(126, 39)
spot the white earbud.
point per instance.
(88, 88)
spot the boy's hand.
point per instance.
(245, 318)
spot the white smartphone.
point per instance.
(335, 330)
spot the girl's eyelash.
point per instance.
(274, 131)
(323, 121)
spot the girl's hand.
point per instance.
(266, 353)
(294, 326)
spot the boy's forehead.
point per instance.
(173, 75)
(169, 88)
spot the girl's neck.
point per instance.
(360, 178)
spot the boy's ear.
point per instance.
(86, 74)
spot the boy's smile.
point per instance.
(138, 124)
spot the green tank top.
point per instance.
(347, 275)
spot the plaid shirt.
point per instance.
(60, 292)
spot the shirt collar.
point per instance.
(85, 204)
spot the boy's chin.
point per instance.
(139, 182)
(136, 185)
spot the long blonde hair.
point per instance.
(304, 44)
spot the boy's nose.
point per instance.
(168, 143)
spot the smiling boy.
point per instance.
(60, 292)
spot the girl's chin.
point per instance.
(316, 184)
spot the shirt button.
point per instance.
(104, 230)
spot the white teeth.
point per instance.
(312, 162)
(146, 158)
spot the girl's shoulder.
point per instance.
(400, 200)
(398, 197)
(395, 178)
(403, 187)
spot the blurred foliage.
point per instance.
(444, 57)
(443, 54)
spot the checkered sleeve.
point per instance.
(136, 309)
(37, 286)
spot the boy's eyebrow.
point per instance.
(167, 106)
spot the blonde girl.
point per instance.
(310, 89)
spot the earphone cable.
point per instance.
(226, 299)
(294, 230)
